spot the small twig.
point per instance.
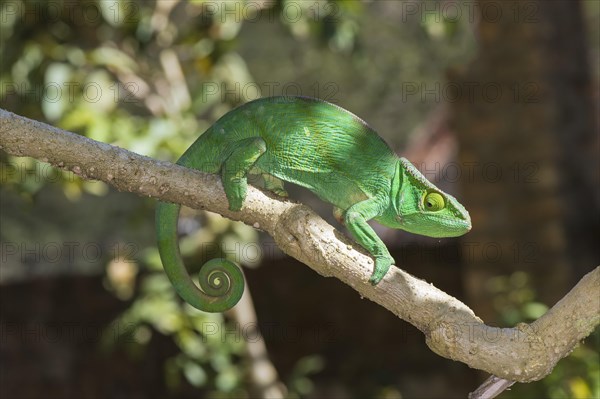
(262, 374)
(491, 388)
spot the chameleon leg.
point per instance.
(274, 185)
(236, 167)
(338, 214)
(356, 221)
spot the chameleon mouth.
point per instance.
(465, 225)
(458, 227)
(467, 222)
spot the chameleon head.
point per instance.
(419, 207)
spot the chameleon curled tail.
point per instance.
(221, 281)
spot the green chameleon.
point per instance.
(319, 146)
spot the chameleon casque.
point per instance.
(324, 148)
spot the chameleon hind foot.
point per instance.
(236, 167)
(274, 185)
(338, 214)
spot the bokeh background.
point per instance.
(495, 101)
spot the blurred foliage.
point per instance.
(299, 383)
(209, 352)
(578, 375)
(149, 76)
(137, 75)
(514, 299)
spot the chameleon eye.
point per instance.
(433, 202)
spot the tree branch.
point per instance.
(525, 353)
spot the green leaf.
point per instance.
(534, 310)
(227, 380)
(194, 373)
(55, 96)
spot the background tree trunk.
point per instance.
(524, 120)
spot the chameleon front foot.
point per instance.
(382, 265)
(236, 200)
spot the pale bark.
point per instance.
(524, 353)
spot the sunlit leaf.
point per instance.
(579, 388)
(194, 373)
(95, 187)
(55, 95)
(191, 344)
(534, 310)
(142, 335)
(98, 91)
(114, 58)
(310, 364)
(227, 379)
(31, 58)
(151, 258)
(303, 385)
(172, 372)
